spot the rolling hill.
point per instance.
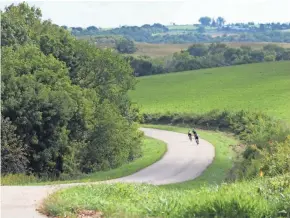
(257, 87)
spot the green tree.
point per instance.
(213, 23)
(201, 29)
(13, 151)
(125, 46)
(198, 50)
(53, 90)
(205, 21)
(220, 21)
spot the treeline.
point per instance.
(219, 23)
(134, 32)
(200, 56)
(191, 37)
(159, 33)
(65, 108)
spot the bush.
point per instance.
(276, 159)
(125, 46)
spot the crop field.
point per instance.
(257, 87)
(161, 50)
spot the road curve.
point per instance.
(184, 160)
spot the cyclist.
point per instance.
(189, 135)
(195, 136)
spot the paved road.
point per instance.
(183, 161)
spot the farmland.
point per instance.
(257, 87)
(161, 50)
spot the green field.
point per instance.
(258, 87)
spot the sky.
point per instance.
(138, 12)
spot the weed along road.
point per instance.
(184, 160)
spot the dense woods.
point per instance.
(65, 108)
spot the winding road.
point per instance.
(184, 160)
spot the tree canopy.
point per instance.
(64, 102)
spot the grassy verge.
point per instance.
(223, 161)
(207, 196)
(153, 150)
(257, 198)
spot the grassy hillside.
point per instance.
(161, 50)
(264, 87)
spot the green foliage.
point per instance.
(13, 151)
(216, 55)
(201, 29)
(205, 21)
(276, 159)
(54, 89)
(125, 46)
(200, 56)
(116, 141)
(206, 32)
(198, 50)
(145, 66)
(152, 151)
(258, 198)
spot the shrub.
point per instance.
(125, 46)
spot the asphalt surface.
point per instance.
(183, 161)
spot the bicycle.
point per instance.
(196, 140)
(190, 137)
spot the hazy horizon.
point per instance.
(108, 14)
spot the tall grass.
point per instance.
(254, 199)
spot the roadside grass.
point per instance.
(254, 87)
(207, 196)
(153, 150)
(251, 199)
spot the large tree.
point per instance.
(205, 21)
(124, 45)
(220, 21)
